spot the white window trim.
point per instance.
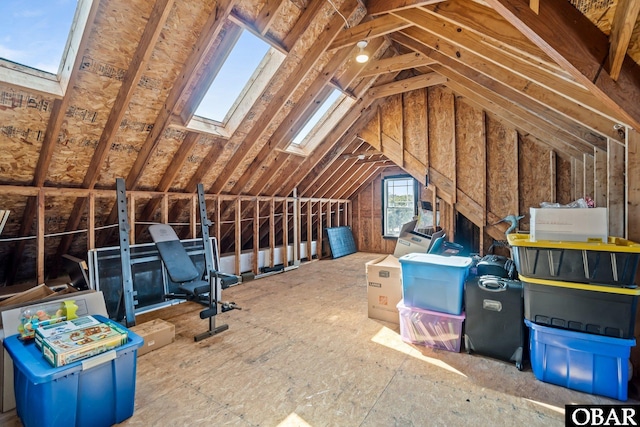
(384, 200)
(249, 95)
(326, 123)
(41, 81)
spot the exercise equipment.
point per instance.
(195, 281)
(204, 287)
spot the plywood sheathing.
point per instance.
(90, 99)
(414, 120)
(25, 117)
(502, 170)
(533, 176)
(471, 153)
(441, 115)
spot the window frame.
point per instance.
(325, 123)
(258, 82)
(20, 75)
(384, 191)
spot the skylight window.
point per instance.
(315, 119)
(39, 41)
(320, 123)
(239, 69)
(34, 33)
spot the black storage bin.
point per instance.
(494, 325)
(496, 265)
(612, 263)
(602, 310)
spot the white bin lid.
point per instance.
(449, 261)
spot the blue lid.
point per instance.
(29, 359)
(447, 261)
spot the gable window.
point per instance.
(399, 203)
(320, 119)
(39, 41)
(248, 66)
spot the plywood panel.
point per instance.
(470, 152)
(534, 170)
(441, 114)
(502, 169)
(415, 124)
(391, 127)
(23, 121)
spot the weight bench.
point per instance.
(195, 286)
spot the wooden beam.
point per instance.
(280, 98)
(368, 30)
(632, 187)
(40, 256)
(282, 136)
(378, 7)
(395, 64)
(528, 80)
(51, 135)
(570, 131)
(615, 189)
(138, 65)
(267, 15)
(581, 50)
(195, 63)
(621, 30)
(406, 85)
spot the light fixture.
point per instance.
(362, 56)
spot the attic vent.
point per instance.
(586, 6)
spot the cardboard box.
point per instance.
(384, 288)
(156, 333)
(569, 224)
(411, 241)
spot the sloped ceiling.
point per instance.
(568, 67)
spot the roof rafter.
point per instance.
(621, 29)
(581, 50)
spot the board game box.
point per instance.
(52, 329)
(81, 343)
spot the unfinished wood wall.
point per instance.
(480, 166)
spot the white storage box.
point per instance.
(384, 288)
(569, 224)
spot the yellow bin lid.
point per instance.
(613, 244)
(582, 286)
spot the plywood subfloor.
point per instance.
(302, 352)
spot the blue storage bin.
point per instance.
(98, 391)
(434, 282)
(594, 364)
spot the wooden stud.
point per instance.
(616, 188)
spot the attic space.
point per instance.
(275, 141)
